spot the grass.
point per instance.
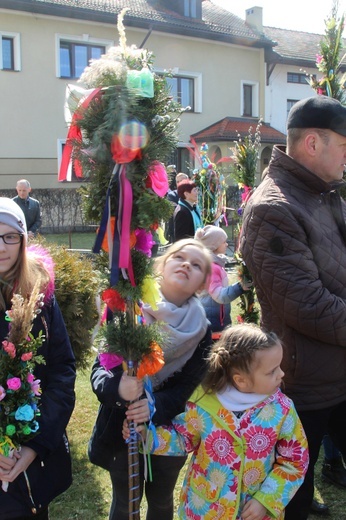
(72, 240)
(89, 497)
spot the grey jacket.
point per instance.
(32, 211)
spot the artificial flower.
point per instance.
(152, 362)
(24, 413)
(30, 377)
(123, 155)
(109, 360)
(10, 430)
(113, 300)
(14, 383)
(26, 356)
(151, 292)
(35, 387)
(9, 348)
(144, 241)
(26, 430)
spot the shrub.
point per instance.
(76, 289)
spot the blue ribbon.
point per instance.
(114, 275)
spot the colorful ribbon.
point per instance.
(74, 134)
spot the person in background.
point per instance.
(173, 197)
(217, 298)
(29, 206)
(249, 450)
(187, 217)
(41, 469)
(183, 269)
(293, 242)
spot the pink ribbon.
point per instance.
(125, 261)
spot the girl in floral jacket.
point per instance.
(249, 450)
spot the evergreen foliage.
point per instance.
(330, 58)
(76, 288)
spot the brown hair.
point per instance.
(185, 186)
(235, 351)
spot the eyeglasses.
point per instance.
(12, 238)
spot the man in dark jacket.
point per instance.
(29, 206)
(294, 244)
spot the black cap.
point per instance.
(318, 112)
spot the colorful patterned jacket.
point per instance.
(261, 455)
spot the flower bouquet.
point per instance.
(19, 390)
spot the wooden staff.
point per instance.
(133, 455)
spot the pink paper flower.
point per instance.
(9, 348)
(26, 356)
(30, 378)
(14, 383)
(157, 179)
(144, 241)
(109, 361)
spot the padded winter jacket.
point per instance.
(294, 244)
(50, 473)
(216, 301)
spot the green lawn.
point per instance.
(72, 240)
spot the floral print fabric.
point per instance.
(262, 455)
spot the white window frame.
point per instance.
(255, 97)
(16, 50)
(84, 38)
(197, 84)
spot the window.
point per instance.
(290, 103)
(182, 89)
(249, 99)
(190, 8)
(10, 51)
(182, 158)
(75, 53)
(185, 87)
(296, 77)
(74, 57)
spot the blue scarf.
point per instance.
(195, 213)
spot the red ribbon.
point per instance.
(74, 134)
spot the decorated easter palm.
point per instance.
(122, 129)
(212, 188)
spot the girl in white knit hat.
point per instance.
(217, 300)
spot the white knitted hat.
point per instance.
(12, 215)
(211, 236)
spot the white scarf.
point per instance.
(183, 328)
(236, 401)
